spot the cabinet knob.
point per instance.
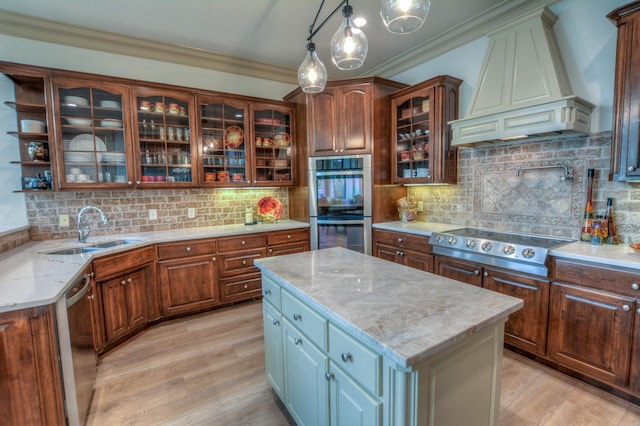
(342, 150)
(626, 307)
(188, 249)
(267, 292)
(129, 280)
(246, 286)
(476, 272)
(123, 282)
(328, 375)
(297, 317)
(346, 357)
(214, 258)
(276, 322)
(289, 237)
(270, 250)
(635, 286)
(486, 274)
(399, 240)
(244, 262)
(631, 169)
(297, 341)
(91, 297)
(243, 242)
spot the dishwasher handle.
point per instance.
(86, 281)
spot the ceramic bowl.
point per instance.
(32, 126)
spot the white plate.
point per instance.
(111, 123)
(84, 142)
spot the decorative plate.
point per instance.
(233, 137)
(269, 209)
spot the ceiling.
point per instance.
(262, 38)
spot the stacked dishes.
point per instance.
(422, 172)
(85, 142)
(113, 157)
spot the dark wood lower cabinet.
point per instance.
(30, 381)
(188, 284)
(124, 300)
(467, 272)
(634, 372)
(405, 249)
(590, 332)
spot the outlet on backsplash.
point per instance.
(63, 220)
(191, 213)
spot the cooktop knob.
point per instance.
(453, 241)
(528, 253)
(508, 250)
(439, 239)
(487, 246)
(471, 244)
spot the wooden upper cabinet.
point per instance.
(625, 147)
(420, 135)
(348, 116)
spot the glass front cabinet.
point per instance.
(421, 137)
(272, 142)
(223, 142)
(165, 146)
(92, 133)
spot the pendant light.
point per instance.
(312, 74)
(404, 16)
(349, 45)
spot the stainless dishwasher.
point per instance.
(78, 358)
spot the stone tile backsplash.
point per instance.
(489, 194)
(128, 210)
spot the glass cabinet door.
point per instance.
(92, 130)
(272, 145)
(412, 138)
(223, 149)
(164, 139)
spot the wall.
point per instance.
(128, 211)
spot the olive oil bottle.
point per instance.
(585, 233)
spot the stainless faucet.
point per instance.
(83, 230)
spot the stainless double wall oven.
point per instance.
(340, 202)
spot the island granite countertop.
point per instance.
(404, 313)
(30, 277)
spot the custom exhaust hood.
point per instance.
(523, 90)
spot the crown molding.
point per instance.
(466, 32)
(18, 25)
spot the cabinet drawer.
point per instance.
(186, 249)
(291, 236)
(305, 319)
(627, 283)
(242, 243)
(240, 289)
(118, 264)
(355, 359)
(398, 239)
(271, 292)
(240, 263)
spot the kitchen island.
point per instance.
(359, 340)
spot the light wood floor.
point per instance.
(209, 370)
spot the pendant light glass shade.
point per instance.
(312, 75)
(349, 45)
(404, 16)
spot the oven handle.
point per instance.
(341, 222)
(338, 173)
(86, 279)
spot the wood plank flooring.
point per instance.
(209, 370)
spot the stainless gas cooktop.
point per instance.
(524, 253)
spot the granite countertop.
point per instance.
(618, 255)
(404, 313)
(29, 277)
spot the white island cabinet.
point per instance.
(351, 339)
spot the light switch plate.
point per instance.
(191, 212)
(64, 219)
(153, 214)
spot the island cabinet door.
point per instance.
(527, 327)
(350, 404)
(306, 387)
(590, 332)
(273, 354)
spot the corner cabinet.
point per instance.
(420, 136)
(625, 147)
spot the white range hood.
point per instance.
(523, 89)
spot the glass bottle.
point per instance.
(611, 236)
(585, 234)
(248, 216)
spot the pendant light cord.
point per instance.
(313, 32)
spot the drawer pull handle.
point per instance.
(188, 249)
(328, 375)
(635, 286)
(626, 307)
(297, 317)
(399, 240)
(267, 292)
(276, 322)
(297, 341)
(346, 357)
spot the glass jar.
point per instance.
(599, 231)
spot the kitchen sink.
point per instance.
(92, 247)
